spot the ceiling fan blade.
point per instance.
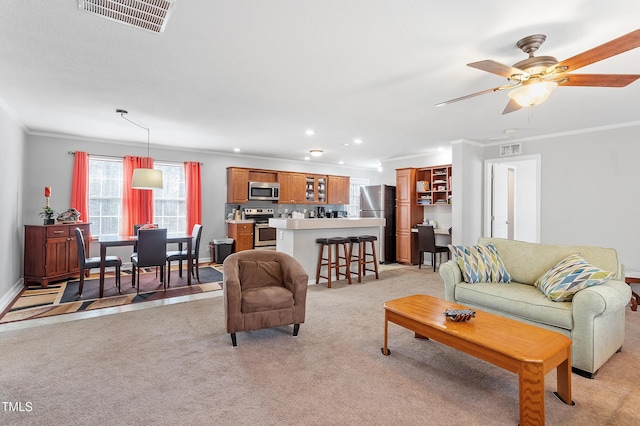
(511, 106)
(498, 68)
(462, 98)
(604, 51)
(599, 80)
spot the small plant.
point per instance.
(47, 212)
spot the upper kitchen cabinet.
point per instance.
(238, 179)
(316, 189)
(237, 185)
(338, 189)
(292, 187)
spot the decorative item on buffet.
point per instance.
(47, 212)
(70, 216)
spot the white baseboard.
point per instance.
(11, 294)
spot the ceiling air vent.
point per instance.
(150, 15)
(511, 149)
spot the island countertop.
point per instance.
(297, 237)
(334, 223)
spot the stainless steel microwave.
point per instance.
(269, 191)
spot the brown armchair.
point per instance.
(263, 289)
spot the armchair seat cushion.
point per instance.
(267, 298)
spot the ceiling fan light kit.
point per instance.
(532, 93)
(532, 80)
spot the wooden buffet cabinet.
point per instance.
(295, 187)
(415, 189)
(51, 252)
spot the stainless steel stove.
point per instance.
(263, 234)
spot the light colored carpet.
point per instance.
(175, 365)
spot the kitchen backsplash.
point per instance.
(280, 209)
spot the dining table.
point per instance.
(128, 240)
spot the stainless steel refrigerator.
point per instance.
(380, 201)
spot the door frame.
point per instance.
(513, 162)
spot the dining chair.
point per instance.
(136, 228)
(427, 243)
(181, 255)
(152, 248)
(88, 263)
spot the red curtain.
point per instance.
(194, 193)
(137, 204)
(80, 185)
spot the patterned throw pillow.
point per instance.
(569, 276)
(499, 273)
(480, 264)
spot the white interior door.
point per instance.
(512, 198)
(501, 200)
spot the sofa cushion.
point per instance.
(518, 300)
(570, 275)
(480, 263)
(259, 273)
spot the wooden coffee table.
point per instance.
(529, 351)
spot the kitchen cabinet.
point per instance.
(408, 214)
(338, 188)
(242, 234)
(237, 185)
(433, 185)
(316, 189)
(292, 187)
(238, 179)
(51, 252)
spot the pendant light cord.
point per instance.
(123, 115)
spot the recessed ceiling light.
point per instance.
(307, 158)
(340, 162)
(310, 132)
(345, 144)
(315, 152)
(357, 141)
(236, 149)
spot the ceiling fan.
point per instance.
(534, 78)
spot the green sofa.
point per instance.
(594, 320)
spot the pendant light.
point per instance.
(143, 178)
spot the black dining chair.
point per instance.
(136, 228)
(152, 249)
(181, 255)
(427, 243)
(87, 263)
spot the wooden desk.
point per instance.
(529, 351)
(123, 240)
(635, 299)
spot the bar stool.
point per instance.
(366, 255)
(331, 261)
(363, 258)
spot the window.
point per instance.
(353, 208)
(169, 203)
(105, 196)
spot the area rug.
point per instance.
(62, 297)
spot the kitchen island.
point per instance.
(297, 237)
